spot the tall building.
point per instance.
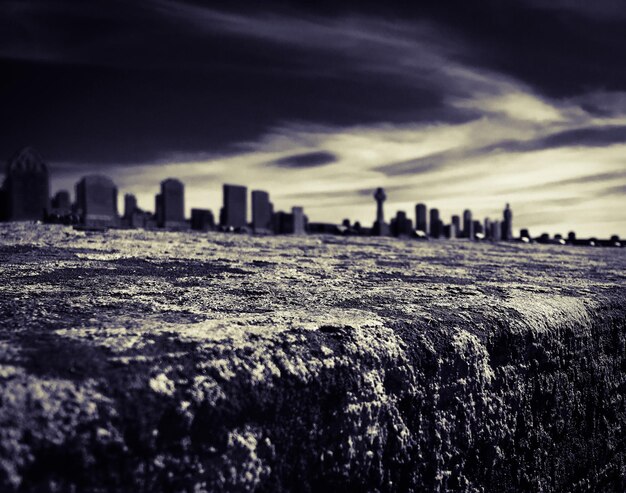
(261, 212)
(172, 204)
(421, 223)
(130, 205)
(496, 231)
(456, 231)
(507, 223)
(487, 227)
(96, 201)
(380, 228)
(468, 224)
(26, 187)
(436, 226)
(233, 213)
(299, 221)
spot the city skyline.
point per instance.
(321, 105)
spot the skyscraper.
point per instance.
(420, 218)
(507, 223)
(456, 222)
(130, 205)
(298, 220)
(26, 187)
(233, 213)
(468, 224)
(435, 223)
(96, 201)
(172, 204)
(261, 212)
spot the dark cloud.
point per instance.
(308, 160)
(105, 83)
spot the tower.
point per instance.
(380, 228)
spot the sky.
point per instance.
(458, 104)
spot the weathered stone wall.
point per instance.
(137, 361)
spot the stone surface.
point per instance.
(155, 361)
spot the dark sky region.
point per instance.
(455, 103)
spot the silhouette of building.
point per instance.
(96, 201)
(61, 204)
(26, 188)
(261, 212)
(436, 226)
(487, 227)
(233, 213)
(524, 233)
(130, 205)
(401, 225)
(496, 231)
(380, 228)
(507, 223)
(456, 222)
(571, 237)
(202, 220)
(468, 224)
(478, 228)
(172, 207)
(454, 229)
(421, 223)
(299, 222)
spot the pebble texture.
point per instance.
(180, 362)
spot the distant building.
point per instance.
(421, 223)
(380, 228)
(401, 225)
(233, 213)
(571, 236)
(61, 204)
(524, 233)
(454, 228)
(130, 205)
(323, 228)
(456, 222)
(261, 212)
(507, 224)
(299, 222)
(26, 188)
(478, 228)
(96, 201)
(172, 214)
(496, 231)
(202, 220)
(468, 224)
(487, 227)
(435, 224)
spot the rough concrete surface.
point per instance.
(152, 362)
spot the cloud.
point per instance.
(308, 160)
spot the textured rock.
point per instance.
(151, 361)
